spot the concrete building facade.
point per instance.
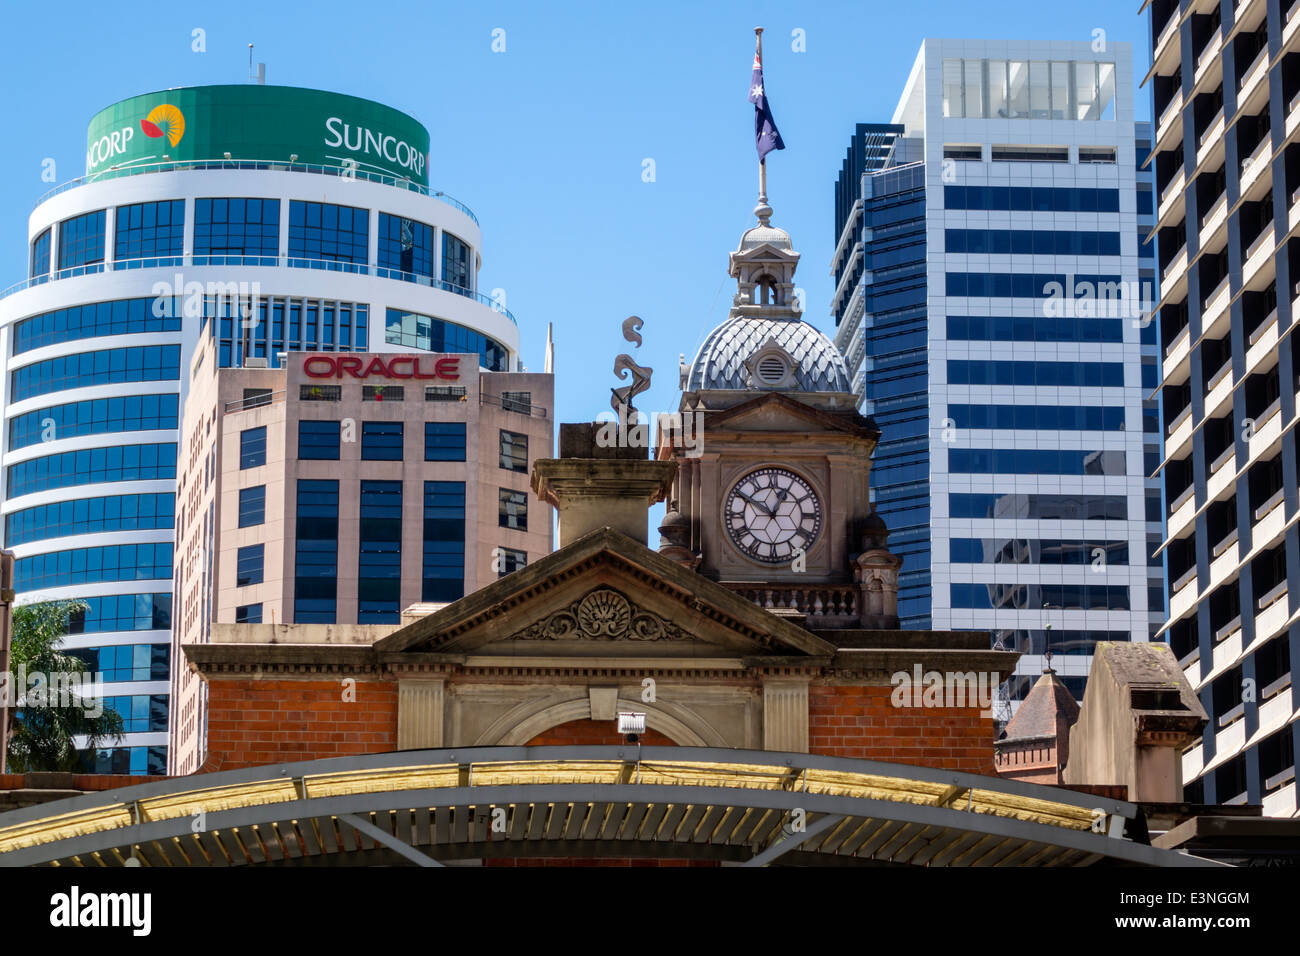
(343, 489)
(1224, 83)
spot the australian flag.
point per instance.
(766, 136)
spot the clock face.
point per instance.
(771, 514)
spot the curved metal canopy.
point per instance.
(424, 807)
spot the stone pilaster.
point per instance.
(785, 715)
(420, 705)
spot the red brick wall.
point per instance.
(84, 782)
(252, 722)
(589, 732)
(1028, 762)
(862, 722)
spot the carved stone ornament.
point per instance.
(603, 615)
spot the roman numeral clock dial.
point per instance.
(771, 514)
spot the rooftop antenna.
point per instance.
(1047, 662)
(260, 75)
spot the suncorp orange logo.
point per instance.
(164, 120)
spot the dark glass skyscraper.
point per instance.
(888, 354)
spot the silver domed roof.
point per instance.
(765, 233)
(720, 363)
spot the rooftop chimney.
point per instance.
(1138, 714)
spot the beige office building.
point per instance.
(344, 488)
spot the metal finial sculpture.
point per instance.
(622, 397)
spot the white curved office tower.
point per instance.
(273, 219)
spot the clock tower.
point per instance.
(771, 499)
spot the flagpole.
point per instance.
(762, 163)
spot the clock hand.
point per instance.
(757, 504)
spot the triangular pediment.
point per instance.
(777, 412)
(765, 252)
(605, 595)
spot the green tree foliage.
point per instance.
(40, 733)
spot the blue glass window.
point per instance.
(1062, 641)
(92, 466)
(118, 562)
(326, 236)
(379, 568)
(1028, 285)
(316, 553)
(149, 234)
(456, 275)
(512, 509)
(1064, 507)
(444, 541)
(248, 614)
(1001, 550)
(285, 325)
(405, 248)
(127, 612)
(1151, 422)
(444, 441)
(511, 560)
(1081, 374)
(318, 440)
(126, 662)
(1031, 198)
(81, 242)
(994, 328)
(120, 317)
(1034, 461)
(381, 441)
(248, 565)
(1047, 242)
(40, 263)
(90, 516)
(1042, 417)
(252, 506)
(1087, 597)
(139, 761)
(236, 231)
(141, 713)
(146, 363)
(437, 335)
(98, 416)
(514, 451)
(252, 447)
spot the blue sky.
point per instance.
(546, 141)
